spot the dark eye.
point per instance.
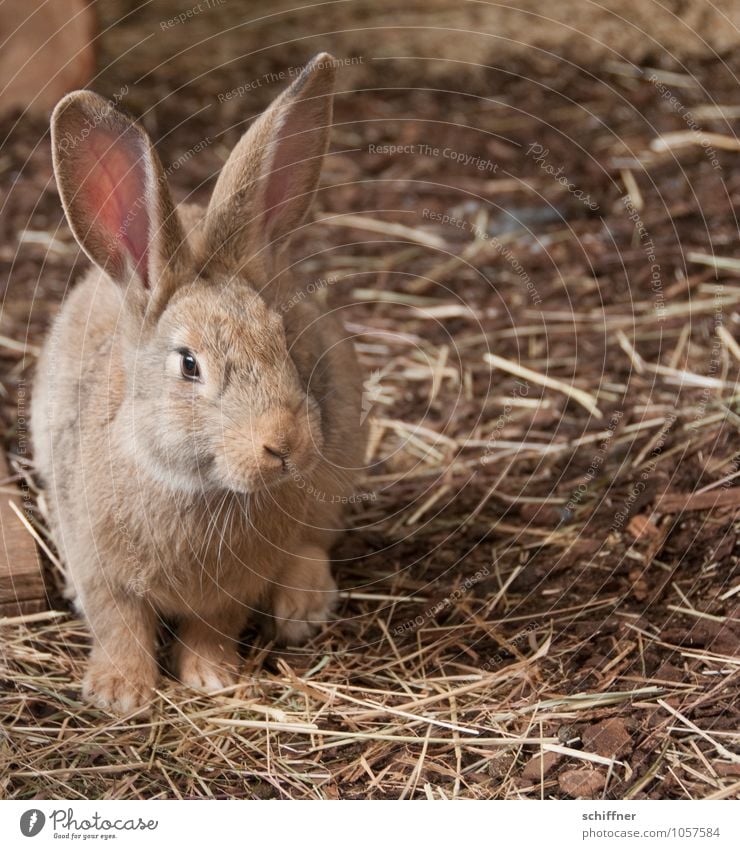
(189, 366)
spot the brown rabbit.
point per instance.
(197, 425)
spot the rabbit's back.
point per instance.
(77, 385)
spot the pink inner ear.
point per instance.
(291, 169)
(115, 198)
(279, 182)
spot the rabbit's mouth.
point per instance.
(268, 473)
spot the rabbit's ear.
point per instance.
(268, 183)
(114, 191)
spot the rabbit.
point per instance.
(196, 437)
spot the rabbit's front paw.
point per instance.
(118, 688)
(305, 598)
(207, 657)
(206, 672)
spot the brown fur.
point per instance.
(163, 497)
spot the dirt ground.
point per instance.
(539, 593)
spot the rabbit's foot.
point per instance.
(305, 597)
(119, 686)
(205, 658)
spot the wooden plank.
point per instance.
(48, 49)
(21, 579)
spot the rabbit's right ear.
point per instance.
(115, 194)
(267, 185)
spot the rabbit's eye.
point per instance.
(189, 365)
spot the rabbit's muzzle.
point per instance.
(274, 447)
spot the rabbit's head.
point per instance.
(213, 398)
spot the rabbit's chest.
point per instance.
(200, 589)
(221, 557)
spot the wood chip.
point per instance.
(582, 783)
(609, 738)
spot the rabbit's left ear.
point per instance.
(115, 193)
(269, 181)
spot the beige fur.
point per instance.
(164, 498)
